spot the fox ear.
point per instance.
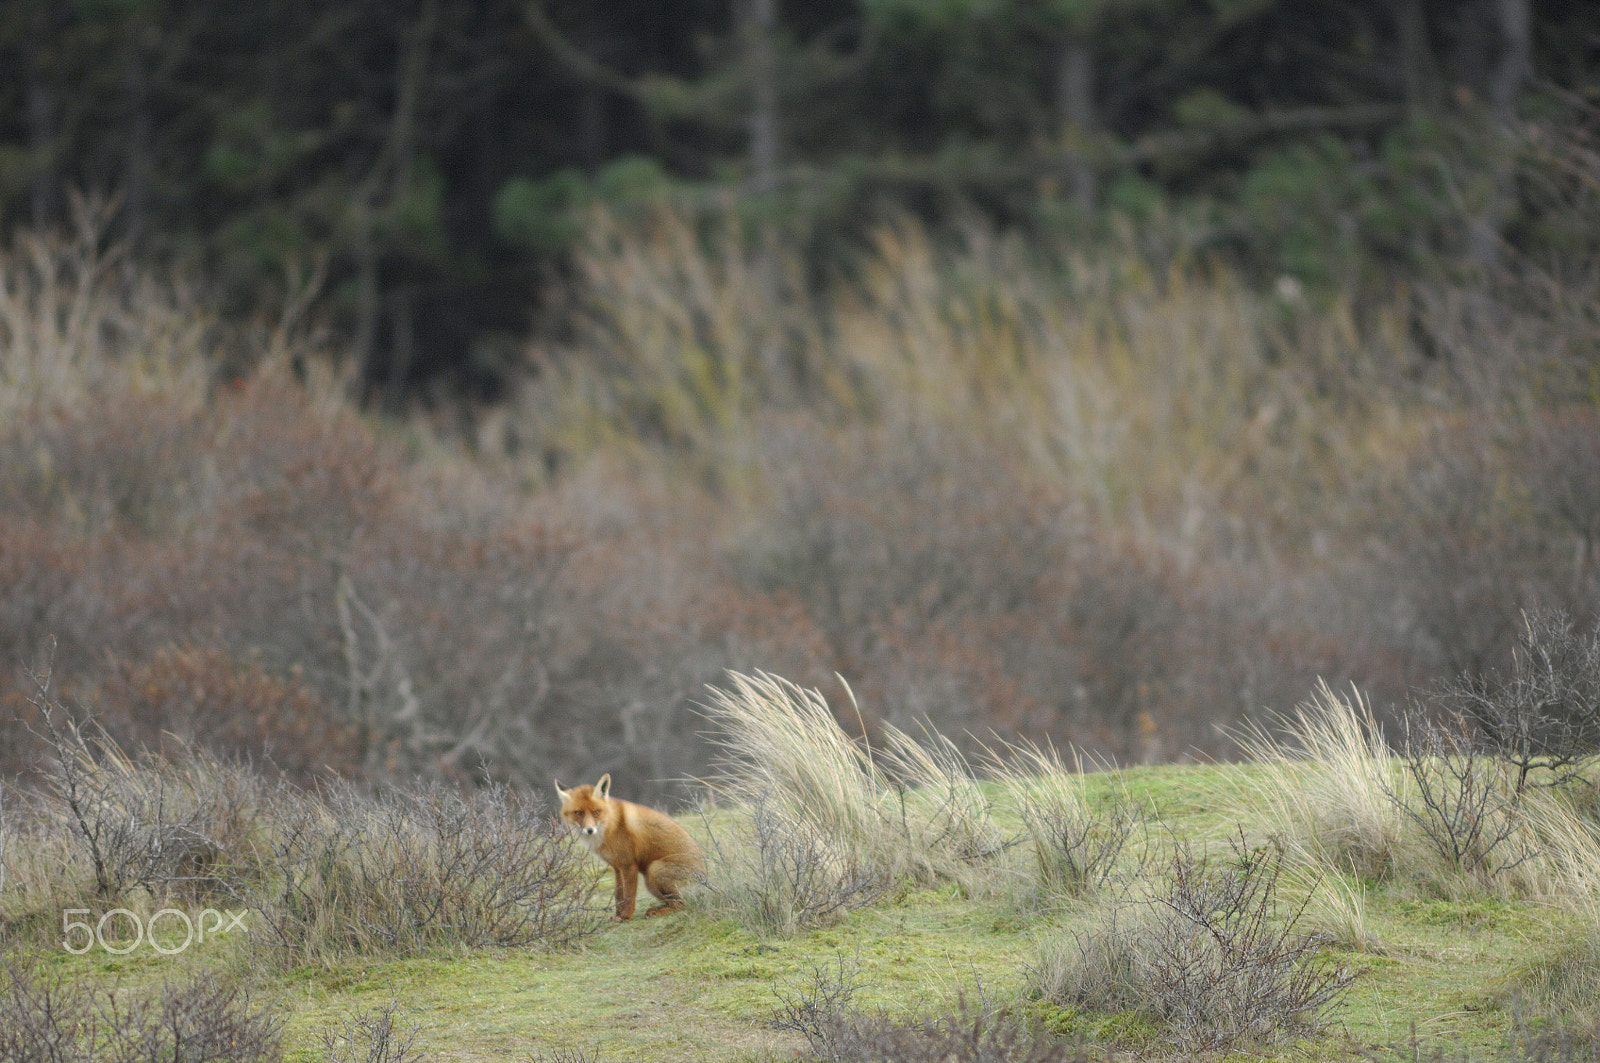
(560, 792)
(603, 787)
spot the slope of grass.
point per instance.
(700, 987)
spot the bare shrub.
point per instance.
(910, 589)
(72, 326)
(968, 1034)
(151, 822)
(129, 467)
(819, 1009)
(1209, 955)
(885, 535)
(407, 869)
(1488, 515)
(1542, 716)
(1525, 1042)
(374, 1037)
(565, 1055)
(1562, 462)
(45, 1019)
(1463, 800)
(259, 571)
(1077, 847)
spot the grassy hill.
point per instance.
(1305, 903)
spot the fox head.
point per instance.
(583, 808)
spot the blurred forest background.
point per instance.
(455, 388)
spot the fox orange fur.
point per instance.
(634, 840)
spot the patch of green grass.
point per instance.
(1470, 914)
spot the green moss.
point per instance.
(1123, 1028)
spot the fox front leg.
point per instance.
(627, 890)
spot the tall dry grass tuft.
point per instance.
(1150, 385)
(33, 888)
(944, 811)
(909, 811)
(1323, 784)
(1444, 809)
(781, 743)
(685, 330)
(774, 875)
(77, 320)
(1566, 982)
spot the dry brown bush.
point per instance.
(297, 592)
(1213, 954)
(374, 1037)
(953, 583)
(994, 485)
(161, 824)
(200, 696)
(401, 871)
(46, 1019)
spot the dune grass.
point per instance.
(908, 810)
(1324, 782)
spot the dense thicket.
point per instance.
(435, 157)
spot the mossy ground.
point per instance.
(691, 987)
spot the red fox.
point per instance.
(634, 840)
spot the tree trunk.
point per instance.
(759, 24)
(137, 165)
(42, 116)
(386, 182)
(403, 348)
(1511, 71)
(1075, 115)
(758, 27)
(1418, 71)
(1506, 79)
(592, 128)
